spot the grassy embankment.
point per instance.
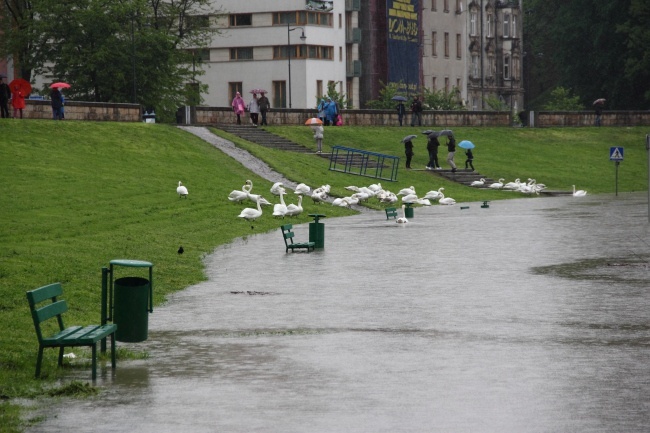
(79, 194)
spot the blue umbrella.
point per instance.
(466, 144)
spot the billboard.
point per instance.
(403, 51)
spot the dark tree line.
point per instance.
(597, 49)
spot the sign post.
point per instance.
(616, 155)
(647, 148)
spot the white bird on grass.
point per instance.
(278, 189)
(301, 189)
(181, 190)
(294, 210)
(240, 195)
(512, 185)
(478, 182)
(407, 191)
(402, 219)
(280, 209)
(497, 185)
(250, 214)
(579, 193)
(435, 195)
(255, 198)
(423, 202)
(447, 200)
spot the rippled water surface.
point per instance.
(529, 316)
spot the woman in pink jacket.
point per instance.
(239, 106)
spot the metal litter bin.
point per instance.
(317, 231)
(130, 301)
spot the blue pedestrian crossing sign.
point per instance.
(616, 154)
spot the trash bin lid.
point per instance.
(316, 216)
(132, 263)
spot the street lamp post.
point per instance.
(302, 38)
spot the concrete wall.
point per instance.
(83, 111)
(544, 119)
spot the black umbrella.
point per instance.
(408, 138)
(398, 98)
(431, 133)
(447, 132)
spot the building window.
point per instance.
(434, 44)
(340, 54)
(233, 88)
(304, 52)
(319, 88)
(302, 18)
(473, 19)
(459, 6)
(200, 55)
(446, 44)
(446, 5)
(474, 66)
(475, 104)
(280, 94)
(434, 83)
(434, 5)
(506, 67)
(446, 84)
(458, 84)
(340, 21)
(514, 26)
(506, 25)
(237, 20)
(459, 46)
(241, 53)
(489, 24)
(492, 67)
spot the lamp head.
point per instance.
(302, 36)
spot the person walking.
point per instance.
(401, 111)
(5, 96)
(56, 100)
(321, 110)
(470, 159)
(254, 109)
(265, 106)
(238, 106)
(318, 136)
(331, 110)
(451, 148)
(432, 147)
(416, 111)
(408, 150)
(17, 101)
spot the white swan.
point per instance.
(478, 182)
(250, 214)
(447, 200)
(411, 198)
(318, 196)
(435, 195)
(513, 185)
(280, 209)
(579, 193)
(407, 191)
(181, 190)
(278, 189)
(389, 198)
(497, 185)
(301, 188)
(423, 202)
(375, 187)
(402, 219)
(239, 196)
(294, 210)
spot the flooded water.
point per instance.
(531, 315)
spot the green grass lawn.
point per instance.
(79, 194)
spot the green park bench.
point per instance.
(391, 212)
(287, 234)
(64, 337)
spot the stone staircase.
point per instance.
(264, 138)
(464, 176)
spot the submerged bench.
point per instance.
(287, 234)
(65, 337)
(391, 212)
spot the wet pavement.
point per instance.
(531, 315)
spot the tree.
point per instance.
(562, 100)
(385, 100)
(637, 32)
(442, 99)
(139, 51)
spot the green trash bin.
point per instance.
(408, 212)
(131, 304)
(317, 231)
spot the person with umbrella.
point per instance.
(408, 149)
(5, 96)
(432, 147)
(598, 106)
(265, 106)
(416, 111)
(451, 148)
(17, 100)
(56, 99)
(401, 111)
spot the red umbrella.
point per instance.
(20, 85)
(59, 85)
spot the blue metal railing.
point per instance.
(364, 163)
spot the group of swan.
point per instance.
(530, 187)
(279, 210)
